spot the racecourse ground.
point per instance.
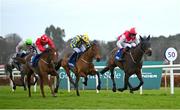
(89, 99)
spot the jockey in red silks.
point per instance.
(126, 41)
(41, 44)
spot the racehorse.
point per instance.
(132, 63)
(84, 66)
(12, 63)
(44, 66)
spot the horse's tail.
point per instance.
(58, 64)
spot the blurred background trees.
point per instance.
(7, 46)
(159, 44)
(57, 35)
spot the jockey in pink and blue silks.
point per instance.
(126, 41)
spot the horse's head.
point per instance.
(54, 54)
(146, 45)
(95, 50)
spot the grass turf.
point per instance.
(89, 99)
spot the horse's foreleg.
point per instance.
(29, 83)
(85, 81)
(99, 80)
(11, 79)
(23, 81)
(130, 87)
(36, 78)
(104, 70)
(69, 76)
(85, 78)
(41, 85)
(76, 85)
(126, 79)
(139, 75)
(113, 81)
(57, 82)
(49, 84)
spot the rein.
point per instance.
(85, 61)
(133, 57)
(142, 50)
(44, 61)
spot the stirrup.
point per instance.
(119, 59)
(71, 64)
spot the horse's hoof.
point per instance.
(131, 91)
(120, 89)
(56, 90)
(54, 95)
(25, 88)
(114, 89)
(14, 87)
(85, 83)
(98, 87)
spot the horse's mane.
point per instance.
(138, 45)
(46, 51)
(92, 44)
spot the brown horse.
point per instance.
(83, 67)
(131, 65)
(44, 67)
(9, 69)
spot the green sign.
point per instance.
(151, 77)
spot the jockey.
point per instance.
(41, 44)
(126, 41)
(79, 44)
(23, 48)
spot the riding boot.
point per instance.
(32, 60)
(35, 60)
(72, 59)
(78, 55)
(119, 55)
(122, 55)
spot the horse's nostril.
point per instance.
(98, 59)
(149, 53)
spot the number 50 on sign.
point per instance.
(171, 54)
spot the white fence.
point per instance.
(165, 67)
(15, 73)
